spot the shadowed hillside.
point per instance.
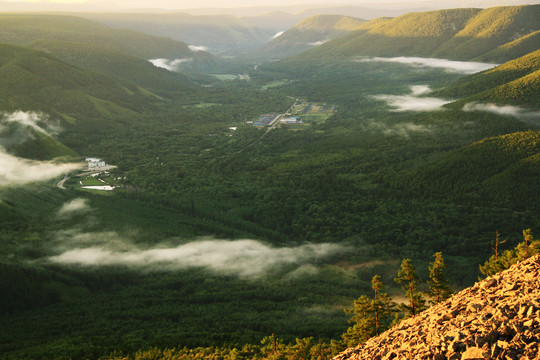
(36, 81)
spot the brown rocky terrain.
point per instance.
(497, 318)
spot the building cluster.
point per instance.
(292, 120)
(265, 119)
(95, 163)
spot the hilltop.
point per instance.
(313, 31)
(497, 318)
(493, 34)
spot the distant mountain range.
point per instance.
(494, 34)
(216, 33)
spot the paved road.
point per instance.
(60, 184)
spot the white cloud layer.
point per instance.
(417, 90)
(462, 67)
(171, 65)
(413, 102)
(18, 171)
(317, 43)
(196, 48)
(244, 258)
(73, 207)
(37, 121)
(507, 110)
(278, 34)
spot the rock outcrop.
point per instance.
(497, 318)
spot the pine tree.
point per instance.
(370, 316)
(407, 277)
(439, 289)
(522, 251)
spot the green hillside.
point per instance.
(457, 34)
(519, 47)
(515, 82)
(25, 28)
(99, 58)
(498, 168)
(222, 232)
(490, 29)
(96, 47)
(310, 32)
(36, 81)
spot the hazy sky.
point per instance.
(189, 4)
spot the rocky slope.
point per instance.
(497, 318)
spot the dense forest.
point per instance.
(228, 240)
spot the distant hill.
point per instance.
(217, 33)
(457, 34)
(490, 29)
(515, 82)
(36, 81)
(313, 31)
(99, 48)
(285, 19)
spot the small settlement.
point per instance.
(301, 113)
(97, 177)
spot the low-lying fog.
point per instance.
(462, 67)
(526, 115)
(16, 128)
(243, 258)
(171, 65)
(413, 101)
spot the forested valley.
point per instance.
(228, 240)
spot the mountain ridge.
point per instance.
(442, 33)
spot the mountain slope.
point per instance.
(457, 34)
(519, 47)
(496, 318)
(98, 48)
(98, 58)
(483, 167)
(489, 29)
(36, 81)
(24, 28)
(310, 32)
(515, 82)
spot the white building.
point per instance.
(95, 163)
